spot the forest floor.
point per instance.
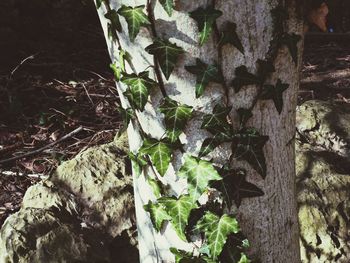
(51, 87)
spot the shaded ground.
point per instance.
(54, 78)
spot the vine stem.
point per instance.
(157, 70)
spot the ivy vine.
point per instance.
(214, 220)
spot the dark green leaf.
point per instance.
(160, 153)
(217, 124)
(176, 117)
(179, 211)
(274, 93)
(135, 17)
(205, 19)
(198, 174)
(244, 78)
(248, 145)
(205, 74)
(167, 55)
(291, 41)
(235, 187)
(158, 215)
(155, 185)
(168, 5)
(265, 68)
(126, 114)
(230, 36)
(232, 251)
(216, 230)
(98, 3)
(113, 17)
(208, 146)
(244, 116)
(139, 88)
(112, 32)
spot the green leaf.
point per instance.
(205, 74)
(179, 211)
(265, 68)
(112, 32)
(182, 256)
(274, 93)
(139, 88)
(113, 17)
(208, 146)
(205, 19)
(291, 41)
(167, 55)
(98, 3)
(217, 124)
(117, 71)
(216, 230)
(243, 78)
(127, 115)
(160, 153)
(233, 248)
(137, 163)
(176, 117)
(248, 145)
(135, 17)
(244, 116)
(198, 173)
(235, 187)
(158, 215)
(154, 184)
(168, 5)
(229, 36)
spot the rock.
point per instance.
(323, 181)
(84, 212)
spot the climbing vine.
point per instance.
(213, 220)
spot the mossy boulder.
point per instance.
(323, 181)
(84, 212)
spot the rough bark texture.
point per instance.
(270, 222)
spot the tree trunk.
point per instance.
(270, 221)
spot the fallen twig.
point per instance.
(72, 133)
(10, 173)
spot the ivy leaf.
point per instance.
(111, 32)
(265, 68)
(167, 55)
(216, 123)
(135, 17)
(248, 145)
(244, 78)
(137, 163)
(98, 3)
(158, 215)
(160, 153)
(208, 146)
(179, 210)
(113, 17)
(154, 184)
(127, 115)
(205, 19)
(274, 93)
(291, 41)
(139, 88)
(229, 36)
(216, 230)
(168, 6)
(182, 256)
(235, 187)
(176, 117)
(205, 74)
(244, 116)
(117, 71)
(198, 173)
(232, 251)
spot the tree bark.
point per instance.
(269, 222)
